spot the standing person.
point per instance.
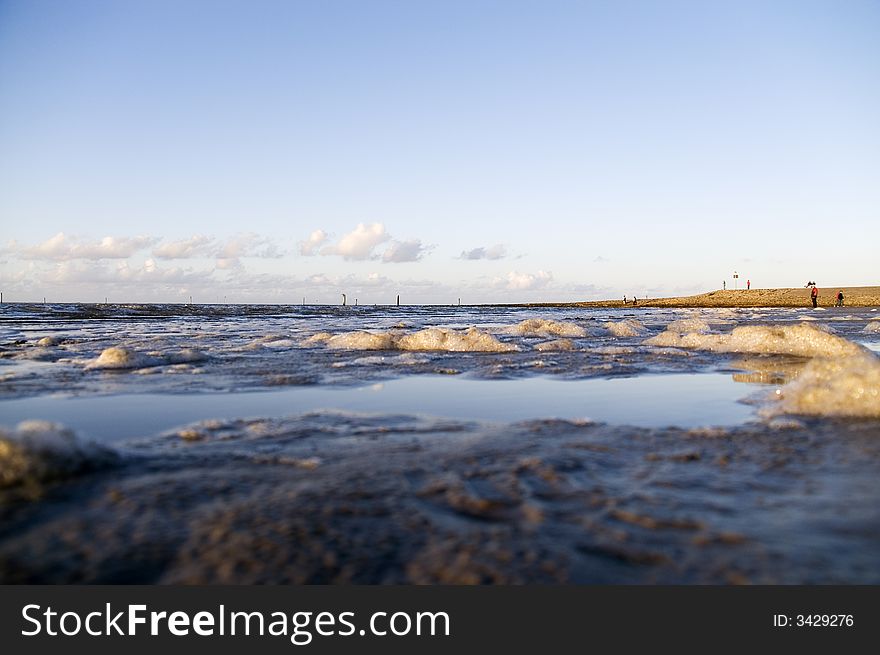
(724, 285)
(814, 295)
(840, 298)
(748, 284)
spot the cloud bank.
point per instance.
(63, 248)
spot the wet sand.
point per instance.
(785, 297)
(410, 501)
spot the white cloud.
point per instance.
(75, 272)
(498, 251)
(317, 280)
(322, 281)
(309, 247)
(358, 245)
(11, 247)
(249, 245)
(404, 251)
(63, 248)
(228, 253)
(197, 245)
(516, 281)
(227, 263)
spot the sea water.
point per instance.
(224, 443)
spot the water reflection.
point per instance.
(775, 370)
(684, 400)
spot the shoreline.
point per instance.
(780, 297)
(863, 296)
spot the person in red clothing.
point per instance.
(748, 284)
(814, 295)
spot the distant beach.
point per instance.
(784, 297)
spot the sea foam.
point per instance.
(801, 340)
(845, 386)
(628, 327)
(471, 340)
(842, 378)
(687, 325)
(39, 451)
(433, 338)
(540, 327)
(118, 357)
(555, 344)
(362, 340)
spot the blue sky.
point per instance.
(493, 151)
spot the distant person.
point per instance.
(814, 295)
(724, 285)
(624, 300)
(748, 284)
(840, 298)
(635, 300)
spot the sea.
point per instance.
(271, 444)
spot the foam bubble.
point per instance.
(185, 356)
(362, 340)
(280, 341)
(845, 386)
(802, 340)
(686, 325)
(539, 327)
(118, 357)
(556, 344)
(628, 327)
(614, 350)
(320, 338)
(48, 341)
(471, 340)
(433, 338)
(404, 359)
(39, 451)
